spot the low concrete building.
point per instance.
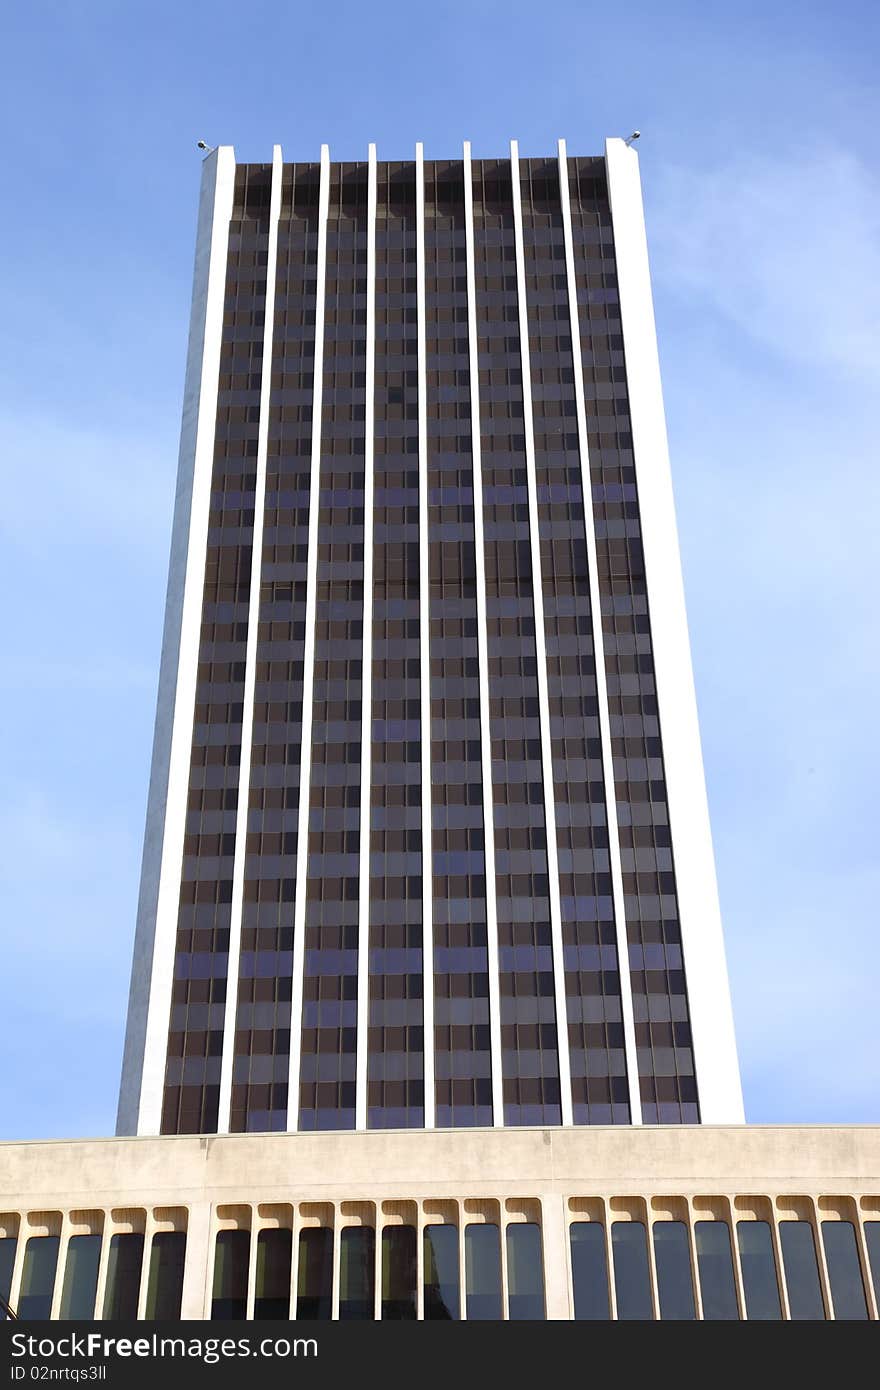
(703, 1221)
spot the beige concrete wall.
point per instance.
(434, 1163)
(549, 1176)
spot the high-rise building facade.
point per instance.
(427, 840)
(428, 854)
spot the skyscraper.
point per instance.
(427, 839)
(427, 854)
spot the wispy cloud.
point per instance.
(786, 245)
(768, 273)
(84, 534)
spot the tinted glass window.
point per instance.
(801, 1271)
(589, 1271)
(231, 1259)
(482, 1271)
(357, 1273)
(844, 1273)
(7, 1260)
(272, 1298)
(399, 1272)
(38, 1278)
(124, 1277)
(715, 1263)
(872, 1240)
(632, 1280)
(672, 1258)
(758, 1270)
(80, 1278)
(165, 1279)
(525, 1273)
(314, 1278)
(441, 1273)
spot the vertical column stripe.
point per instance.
(714, 1043)
(305, 764)
(626, 1004)
(363, 966)
(420, 1209)
(63, 1251)
(336, 1257)
(425, 656)
(483, 648)
(244, 773)
(149, 1004)
(541, 653)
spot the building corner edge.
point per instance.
(149, 1000)
(719, 1085)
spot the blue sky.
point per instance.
(763, 199)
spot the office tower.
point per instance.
(427, 839)
(448, 404)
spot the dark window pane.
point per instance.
(7, 1260)
(80, 1278)
(844, 1274)
(38, 1278)
(672, 1257)
(274, 1249)
(872, 1240)
(165, 1280)
(441, 1273)
(801, 1271)
(123, 1277)
(399, 1272)
(589, 1271)
(314, 1278)
(632, 1280)
(758, 1270)
(231, 1258)
(715, 1263)
(357, 1273)
(482, 1272)
(525, 1273)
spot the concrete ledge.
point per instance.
(418, 1163)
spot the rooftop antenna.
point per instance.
(635, 135)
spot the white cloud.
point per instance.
(769, 304)
(787, 245)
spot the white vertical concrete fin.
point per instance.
(250, 670)
(714, 1043)
(305, 762)
(425, 654)
(626, 1004)
(483, 652)
(149, 1006)
(363, 1003)
(541, 653)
